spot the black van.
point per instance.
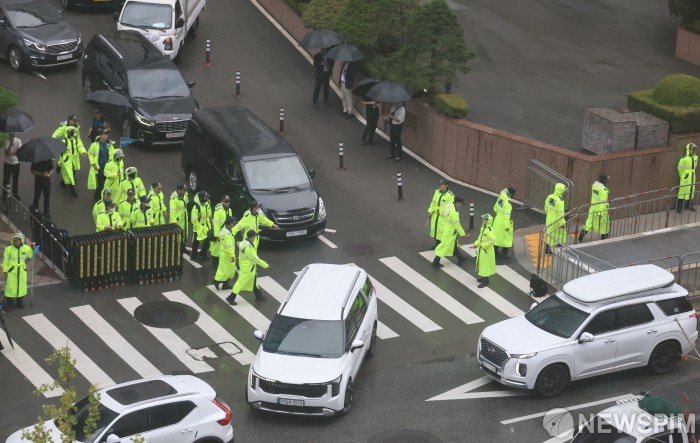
(230, 151)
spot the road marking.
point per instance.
(38, 74)
(403, 308)
(467, 280)
(226, 341)
(506, 272)
(327, 242)
(245, 309)
(464, 392)
(332, 231)
(169, 339)
(58, 339)
(431, 290)
(28, 367)
(192, 262)
(115, 341)
(384, 332)
(568, 408)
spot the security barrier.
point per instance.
(156, 254)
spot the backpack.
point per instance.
(538, 287)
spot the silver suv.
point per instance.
(600, 323)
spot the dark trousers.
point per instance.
(10, 171)
(195, 247)
(42, 185)
(395, 140)
(372, 119)
(323, 79)
(256, 289)
(100, 184)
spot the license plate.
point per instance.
(290, 402)
(296, 233)
(174, 134)
(489, 366)
(64, 57)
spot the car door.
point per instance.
(635, 324)
(176, 422)
(356, 329)
(597, 356)
(236, 185)
(129, 425)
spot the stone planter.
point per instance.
(688, 45)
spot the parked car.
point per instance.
(230, 151)
(92, 4)
(171, 408)
(34, 34)
(601, 323)
(148, 94)
(171, 20)
(311, 355)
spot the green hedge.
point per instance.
(451, 105)
(681, 119)
(299, 5)
(678, 90)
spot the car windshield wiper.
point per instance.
(170, 96)
(263, 189)
(301, 354)
(290, 188)
(139, 26)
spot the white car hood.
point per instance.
(297, 369)
(518, 336)
(49, 425)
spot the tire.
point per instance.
(192, 180)
(372, 343)
(67, 4)
(15, 58)
(87, 85)
(349, 397)
(194, 30)
(552, 381)
(664, 358)
(127, 127)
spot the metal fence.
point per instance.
(540, 183)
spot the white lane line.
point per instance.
(28, 367)
(332, 231)
(464, 392)
(192, 262)
(245, 309)
(384, 332)
(273, 288)
(568, 408)
(169, 339)
(38, 74)
(327, 242)
(90, 370)
(214, 330)
(115, 341)
(470, 282)
(506, 272)
(431, 290)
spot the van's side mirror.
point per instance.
(191, 84)
(112, 438)
(532, 306)
(357, 344)
(586, 337)
(115, 16)
(260, 335)
(312, 173)
(180, 23)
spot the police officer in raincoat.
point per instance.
(226, 268)
(686, 171)
(114, 173)
(503, 224)
(15, 268)
(132, 181)
(201, 226)
(451, 229)
(485, 255)
(109, 219)
(222, 211)
(251, 220)
(249, 262)
(128, 207)
(598, 219)
(555, 223)
(143, 216)
(178, 210)
(157, 203)
(441, 198)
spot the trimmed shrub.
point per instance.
(681, 119)
(678, 90)
(451, 105)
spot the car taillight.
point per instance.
(168, 43)
(224, 407)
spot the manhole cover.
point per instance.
(166, 314)
(404, 436)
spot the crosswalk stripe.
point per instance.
(214, 330)
(169, 339)
(28, 367)
(431, 290)
(245, 309)
(506, 272)
(115, 341)
(467, 280)
(58, 339)
(192, 262)
(384, 332)
(404, 309)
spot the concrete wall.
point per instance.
(493, 159)
(688, 45)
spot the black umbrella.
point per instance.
(390, 92)
(345, 53)
(4, 327)
(40, 149)
(321, 38)
(15, 120)
(108, 97)
(363, 86)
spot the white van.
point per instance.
(170, 20)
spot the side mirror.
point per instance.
(357, 344)
(191, 84)
(312, 173)
(532, 306)
(112, 438)
(180, 23)
(260, 335)
(119, 89)
(115, 16)
(586, 337)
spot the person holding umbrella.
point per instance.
(397, 114)
(347, 82)
(372, 111)
(323, 67)
(11, 166)
(15, 268)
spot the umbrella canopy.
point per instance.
(40, 149)
(321, 38)
(7, 333)
(108, 97)
(15, 120)
(390, 92)
(345, 53)
(363, 86)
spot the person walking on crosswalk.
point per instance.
(503, 224)
(555, 222)
(178, 210)
(15, 268)
(485, 254)
(222, 211)
(157, 203)
(109, 219)
(686, 171)
(201, 226)
(252, 219)
(598, 219)
(450, 233)
(248, 262)
(441, 198)
(128, 207)
(226, 268)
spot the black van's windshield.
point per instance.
(280, 175)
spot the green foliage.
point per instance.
(678, 90)
(681, 119)
(687, 10)
(321, 14)
(298, 5)
(7, 99)
(451, 105)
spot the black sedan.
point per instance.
(113, 5)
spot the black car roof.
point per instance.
(242, 131)
(133, 50)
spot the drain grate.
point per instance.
(166, 314)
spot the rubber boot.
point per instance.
(73, 192)
(258, 294)
(484, 282)
(194, 254)
(436, 262)
(679, 206)
(216, 285)
(227, 285)
(604, 236)
(20, 302)
(231, 299)
(581, 235)
(460, 257)
(504, 253)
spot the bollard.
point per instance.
(340, 155)
(399, 183)
(471, 216)
(281, 119)
(238, 83)
(207, 58)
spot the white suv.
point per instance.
(312, 352)
(600, 323)
(166, 409)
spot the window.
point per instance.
(171, 413)
(278, 174)
(233, 168)
(674, 306)
(556, 317)
(147, 15)
(82, 413)
(300, 336)
(132, 423)
(157, 83)
(178, 10)
(354, 319)
(602, 323)
(368, 289)
(628, 316)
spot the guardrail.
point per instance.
(540, 183)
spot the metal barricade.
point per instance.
(540, 183)
(99, 260)
(156, 254)
(568, 264)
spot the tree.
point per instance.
(321, 14)
(7, 100)
(687, 10)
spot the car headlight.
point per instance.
(143, 120)
(80, 38)
(253, 379)
(321, 209)
(34, 45)
(335, 386)
(523, 356)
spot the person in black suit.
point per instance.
(347, 82)
(323, 67)
(372, 111)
